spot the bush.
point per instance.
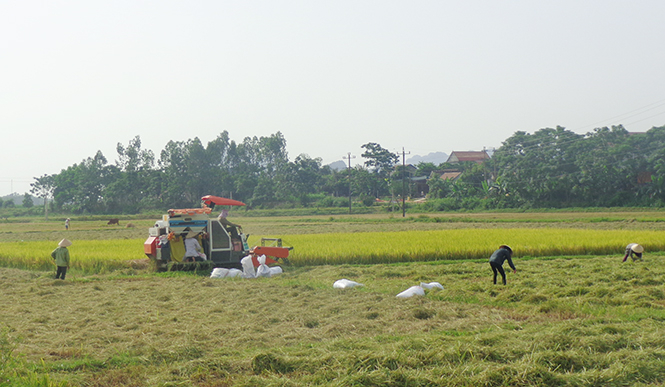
(341, 202)
(367, 200)
(326, 201)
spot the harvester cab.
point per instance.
(222, 242)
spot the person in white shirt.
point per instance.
(193, 250)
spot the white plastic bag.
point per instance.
(234, 273)
(219, 272)
(263, 269)
(247, 267)
(276, 270)
(431, 285)
(412, 291)
(345, 283)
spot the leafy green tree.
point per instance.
(131, 181)
(27, 201)
(474, 180)
(301, 178)
(173, 164)
(380, 163)
(652, 148)
(425, 169)
(363, 182)
(549, 168)
(191, 170)
(264, 192)
(43, 187)
(335, 183)
(606, 171)
(439, 188)
(539, 169)
(254, 159)
(80, 187)
(380, 160)
(220, 165)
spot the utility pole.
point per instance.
(349, 157)
(403, 176)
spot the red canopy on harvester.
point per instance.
(221, 201)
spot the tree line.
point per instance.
(552, 167)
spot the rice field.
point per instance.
(365, 247)
(560, 321)
(417, 246)
(88, 256)
(576, 316)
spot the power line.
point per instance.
(646, 118)
(629, 114)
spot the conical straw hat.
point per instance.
(65, 243)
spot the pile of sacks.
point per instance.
(418, 290)
(247, 269)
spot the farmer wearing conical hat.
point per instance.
(635, 251)
(61, 256)
(496, 261)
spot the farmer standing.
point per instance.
(67, 224)
(61, 256)
(496, 261)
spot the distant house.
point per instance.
(411, 169)
(460, 157)
(446, 174)
(450, 175)
(420, 185)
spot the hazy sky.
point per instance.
(81, 76)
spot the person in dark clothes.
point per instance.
(496, 261)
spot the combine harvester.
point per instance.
(223, 243)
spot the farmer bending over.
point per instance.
(635, 251)
(496, 261)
